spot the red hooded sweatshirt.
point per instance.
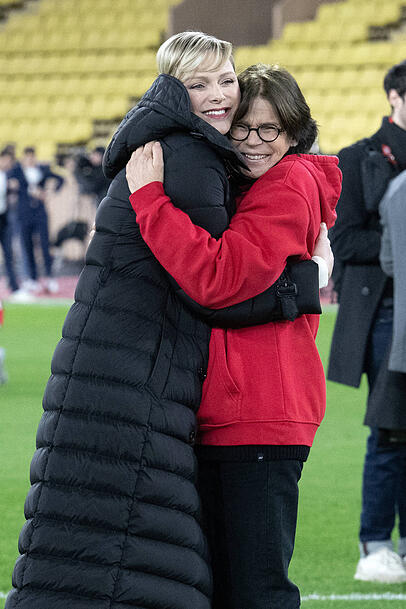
(265, 384)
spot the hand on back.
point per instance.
(146, 165)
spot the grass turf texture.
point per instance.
(326, 550)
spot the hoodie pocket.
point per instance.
(221, 398)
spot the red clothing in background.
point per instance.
(265, 384)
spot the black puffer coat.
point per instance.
(113, 512)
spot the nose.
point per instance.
(217, 94)
(253, 138)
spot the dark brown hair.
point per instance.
(395, 78)
(277, 86)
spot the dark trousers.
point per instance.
(250, 513)
(36, 222)
(6, 244)
(384, 477)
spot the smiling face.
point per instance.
(214, 95)
(260, 156)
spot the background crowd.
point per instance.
(45, 217)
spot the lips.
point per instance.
(217, 113)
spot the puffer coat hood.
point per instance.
(113, 514)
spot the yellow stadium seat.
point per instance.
(69, 62)
(46, 150)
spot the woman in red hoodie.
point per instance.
(264, 395)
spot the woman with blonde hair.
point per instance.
(113, 514)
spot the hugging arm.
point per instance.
(250, 255)
(295, 292)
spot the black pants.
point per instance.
(6, 244)
(36, 221)
(250, 513)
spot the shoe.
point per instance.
(31, 285)
(52, 286)
(384, 566)
(3, 373)
(21, 295)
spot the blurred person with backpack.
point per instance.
(364, 322)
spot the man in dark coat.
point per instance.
(364, 321)
(113, 514)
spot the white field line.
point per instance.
(386, 596)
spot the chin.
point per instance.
(257, 172)
(223, 129)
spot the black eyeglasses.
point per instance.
(267, 133)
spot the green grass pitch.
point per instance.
(326, 548)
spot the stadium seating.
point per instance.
(65, 64)
(68, 65)
(338, 68)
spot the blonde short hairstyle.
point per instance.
(183, 53)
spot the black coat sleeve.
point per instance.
(296, 292)
(201, 192)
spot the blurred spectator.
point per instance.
(90, 176)
(14, 222)
(30, 182)
(6, 163)
(11, 150)
(364, 324)
(70, 227)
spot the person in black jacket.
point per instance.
(364, 322)
(113, 514)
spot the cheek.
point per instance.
(283, 148)
(276, 153)
(194, 101)
(234, 98)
